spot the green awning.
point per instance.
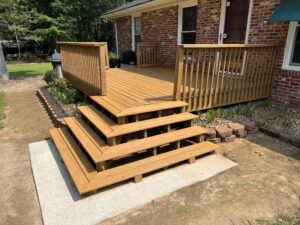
(287, 10)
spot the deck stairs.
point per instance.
(104, 145)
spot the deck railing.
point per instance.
(147, 54)
(209, 76)
(85, 64)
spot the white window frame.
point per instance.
(180, 14)
(133, 30)
(289, 47)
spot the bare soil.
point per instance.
(26, 122)
(264, 185)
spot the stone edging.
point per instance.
(285, 138)
(53, 108)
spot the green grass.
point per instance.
(2, 105)
(286, 221)
(28, 69)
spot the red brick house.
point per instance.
(173, 22)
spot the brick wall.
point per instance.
(286, 86)
(124, 34)
(161, 26)
(208, 20)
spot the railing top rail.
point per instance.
(91, 44)
(229, 45)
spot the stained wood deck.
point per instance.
(136, 87)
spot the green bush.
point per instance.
(62, 89)
(50, 76)
(27, 56)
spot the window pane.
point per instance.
(137, 25)
(189, 38)
(137, 38)
(189, 18)
(296, 50)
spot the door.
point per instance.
(236, 20)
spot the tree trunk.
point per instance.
(3, 68)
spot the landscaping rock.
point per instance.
(215, 140)
(259, 122)
(229, 139)
(238, 129)
(253, 131)
(249, 125)
(223, 132)
(210, 134)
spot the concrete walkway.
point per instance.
(61, 204)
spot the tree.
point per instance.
(3, 69)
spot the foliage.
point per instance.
(213, 114)
(263, 104)
(45, 22)
(286, 221)
(27, 56)
(2, 106)
(63, 90)
(112, 55)
(50, 76)
(28, 70)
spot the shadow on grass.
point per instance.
(24, 74)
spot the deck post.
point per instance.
(178, 73)
(102, 67)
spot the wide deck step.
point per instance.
(121, 150)
(89, 140)
(111, 129)
(79, 167)
(147, 165)
(118, 111)
(87, 179)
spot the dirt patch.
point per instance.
(26, 122)
(265, 184)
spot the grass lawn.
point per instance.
(28, 69)
(2, 105)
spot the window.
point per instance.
(189, 23)
(295, 58)
(136, 30)
(292, 50)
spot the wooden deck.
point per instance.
(139, 119)
(135, 87)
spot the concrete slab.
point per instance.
(60, 203)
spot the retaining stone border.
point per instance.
(54, 109)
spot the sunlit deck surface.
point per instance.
(133, 87)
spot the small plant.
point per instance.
(63, 90)
(286, 221)
(263, 104)
(112, 55)
(212, 115)
(50, 76)
(77, 112)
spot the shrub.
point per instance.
(62, 89)
(27, 56)
(50, 76)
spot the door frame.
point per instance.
(222, 21)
